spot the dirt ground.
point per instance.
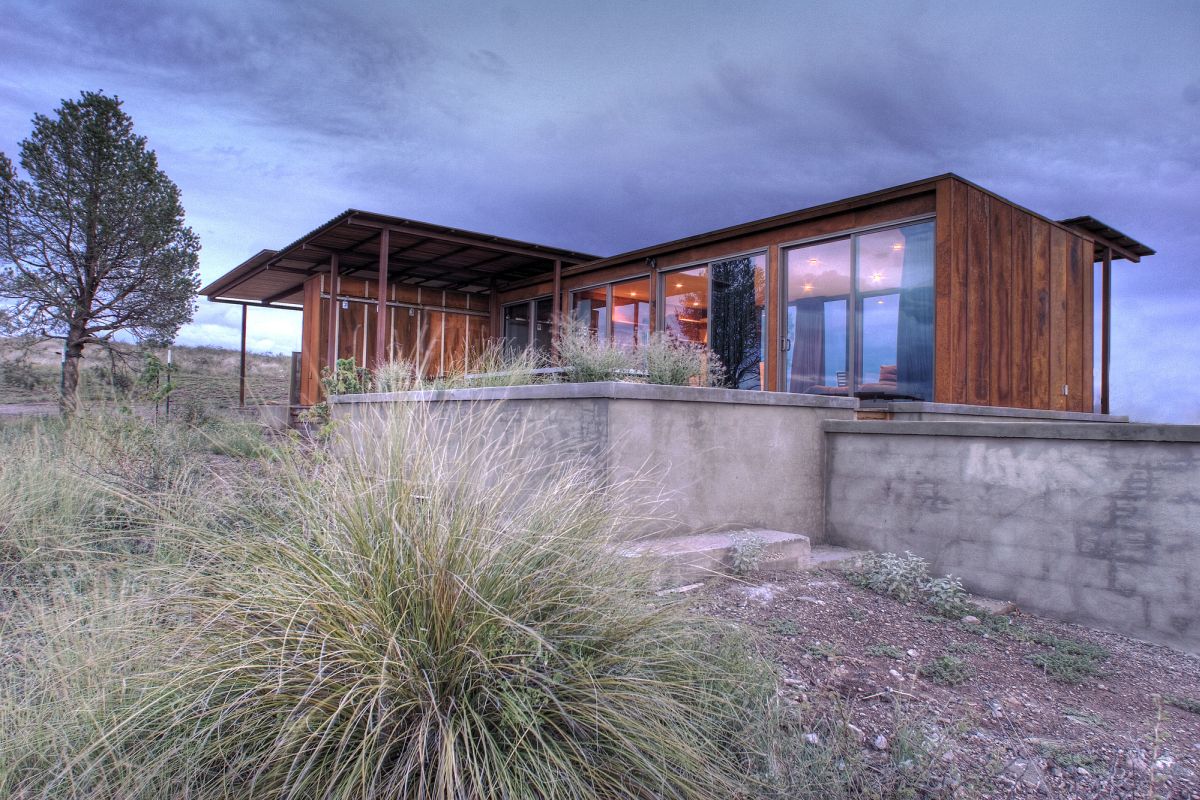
(1010, 730)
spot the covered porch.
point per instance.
(403, 289)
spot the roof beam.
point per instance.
(481, 244)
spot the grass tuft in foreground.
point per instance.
(427, 618)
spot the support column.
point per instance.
(242, 363)
(556, 307)
(1105, 329)
(497, 325)
(334, 313)
(381, 309)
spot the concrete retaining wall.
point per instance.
(1092, 523)
(721, 459)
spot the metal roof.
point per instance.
(419, 254)
(1106, 234)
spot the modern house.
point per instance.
(937, 290)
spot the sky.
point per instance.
(605, 126)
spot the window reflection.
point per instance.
(631, 312)
(892, 280)
(721, 305)
(818, 297)
(590, 306)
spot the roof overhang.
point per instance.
(419, 254)
(1105, 236)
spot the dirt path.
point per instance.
(1009, 729)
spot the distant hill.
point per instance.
(29, 373)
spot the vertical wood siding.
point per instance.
(1014, 305)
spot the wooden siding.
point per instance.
(1014, 305)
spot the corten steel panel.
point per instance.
(1022, 311)
(1074, 376)
(999, 309)
(310, 347)
(978, 299)
(1089, 331)
(945, 348)
(1059, 242)
(1040, 342)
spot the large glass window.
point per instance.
(631, 312)
(529, 324)
(722, 305)
(885, 347)
(590, 306)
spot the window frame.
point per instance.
(608, 299)
(854, 332)
(660, 310)
(531, 312)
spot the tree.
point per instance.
(93, 242)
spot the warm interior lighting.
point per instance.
(808, 287)
(898, 245)
(814, 261)
(679, 286)
(876, 277)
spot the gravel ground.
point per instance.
(1010, 730)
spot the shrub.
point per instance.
(674, 362)
(588, 358)
(426, 622)
(896, 576)
(746, 554)
(947, 670)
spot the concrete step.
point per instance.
(827, 555)
(698, 557)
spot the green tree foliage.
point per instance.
(92, 239)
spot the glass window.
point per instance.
(722, 305)
(590, 306)
(737, 318)
(818, 297)
(543, 323)
(631, 312)
(886, 277)
(516, 327)
(685, 304)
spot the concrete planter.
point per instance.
(708, 459)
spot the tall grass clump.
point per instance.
(674, 362)
(587, 358)
(433, 616)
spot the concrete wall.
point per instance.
(718, 458)
(1092, 523)
(917, 411)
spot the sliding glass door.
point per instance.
(860, 314)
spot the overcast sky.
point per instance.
(603, 126)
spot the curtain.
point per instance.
(808, 348)
(914, 339)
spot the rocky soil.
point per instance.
(994, 723)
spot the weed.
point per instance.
(946, 596)
(1084, 717)
(1066, 758)
(676, 362)
(784, 627)
(746, 554)
(900, 577)
(857, 614)
(885, 651)
(822, 650)
(932, 619)
(1184, 703)
(587, 357)
(947, 670)
(964, 647)
(1065, 667)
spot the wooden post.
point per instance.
(652, 300)
(1105, 329)
(497, 325)
(242, 364)
(381, 315)
(556, 307)
(334, 314)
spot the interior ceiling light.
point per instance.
(814, 261)
(876, 276)
(679, 286)
(808, 287)
(898, 245)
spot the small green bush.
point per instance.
(881, 650)
(1184, 703)
(746, 554)
(901, 577)
(947, 670)
(1066, 667)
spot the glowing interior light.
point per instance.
(879, 302)
(814, 261)
(897, 245)
(679, 286)
(876, 277)
(808, 287)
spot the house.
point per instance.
(937, 290)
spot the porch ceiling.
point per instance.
(419, 254)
